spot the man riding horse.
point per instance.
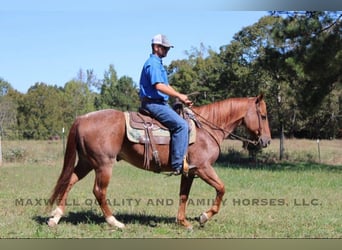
(154, 94)
(97, 140)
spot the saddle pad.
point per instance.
(161, 136)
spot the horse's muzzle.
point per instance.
(264, 141)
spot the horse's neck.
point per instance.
(226, 115)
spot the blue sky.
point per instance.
(50, 43)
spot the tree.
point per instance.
(7, 107)
(117, 93)
(199, 73)
(8, 114)
(77, 99)
(294, 58)
(311, 52)
(7, 111)
(107, 89)
(39, 112)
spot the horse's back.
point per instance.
(103, 129)
(102, 119)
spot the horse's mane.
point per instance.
(223, 112)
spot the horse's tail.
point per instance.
(68, 166)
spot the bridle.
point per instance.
(260, 117)
(256, 142)
(232, 135)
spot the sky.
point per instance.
(51, 41)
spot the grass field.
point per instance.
(297, 198)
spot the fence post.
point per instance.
(319, 151)
(63, 140)
(0, 151)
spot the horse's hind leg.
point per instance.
(185, 187)
(209, 175)
(80, 171)
(102, 178)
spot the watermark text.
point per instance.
(135, 202)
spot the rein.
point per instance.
(212, 125)
(236, 137)
(230, 133)
(248, 141)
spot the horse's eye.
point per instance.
(264, 117)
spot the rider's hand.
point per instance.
(184, 99)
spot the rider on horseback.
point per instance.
(154, 94)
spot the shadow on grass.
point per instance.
(237, 160)
(91, 217)
(75, 218)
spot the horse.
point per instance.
(98, 140)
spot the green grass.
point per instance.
(283, 200)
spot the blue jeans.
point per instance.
(179, 130)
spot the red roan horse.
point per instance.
(99, 138)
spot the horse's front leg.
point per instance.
(209, 175)
(185, 187)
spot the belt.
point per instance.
(150, 100)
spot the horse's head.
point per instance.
(256, 121)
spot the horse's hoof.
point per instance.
(152, 223)
(203, 219)
(120, 225)
(51, 222)
(114, 222)
(186, 224)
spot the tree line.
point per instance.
(294, 58)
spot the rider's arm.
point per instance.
(170, 91)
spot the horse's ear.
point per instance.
(259, 98)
